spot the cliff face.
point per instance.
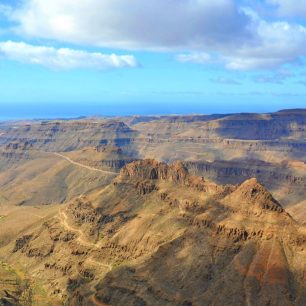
(223, 148)
(151, 169)
(160, 236)
(69, 135)
(103, 157)
(287, 180)
(277, 131)
(266, 127)
(157, 234)
(280, 125)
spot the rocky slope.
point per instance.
(104, 157)
(281, 131)
(286, 180)
(158, 235)
(286, 124)
(31, 177)
(225, 148)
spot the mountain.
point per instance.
(31, 177)
(227, 148)
(65, 135)
(158, 235)
(157, 210)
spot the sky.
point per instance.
(119, 57)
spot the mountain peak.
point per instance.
(251, 191)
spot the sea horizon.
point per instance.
(70, 111)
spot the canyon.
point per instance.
(154, 210)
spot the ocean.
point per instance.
(74, 110)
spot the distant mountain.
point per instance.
(226, 148)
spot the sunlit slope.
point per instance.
(160, 236)
(45, 178)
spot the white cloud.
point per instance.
(63, 58)
(237, 37)
(135, 24)
(290, 7)
(276, 44)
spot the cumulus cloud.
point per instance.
(273, 45)
(237, 37)
(158, 24)
(276, 43)
(290, 7)
(63, 58)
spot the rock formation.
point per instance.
(160, 236)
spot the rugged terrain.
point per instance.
(160, 236)
(225, 148)
(88, 216)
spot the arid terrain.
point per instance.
(154, 210)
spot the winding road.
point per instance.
(84, 166)
(82, 239)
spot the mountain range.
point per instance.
(154, 210)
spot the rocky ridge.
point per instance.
(160, 236)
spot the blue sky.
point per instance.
(163, 56)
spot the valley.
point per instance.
(158, 210)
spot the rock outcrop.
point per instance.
(177, 173)
(154, 170)
(252, 193)
(160, 236)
